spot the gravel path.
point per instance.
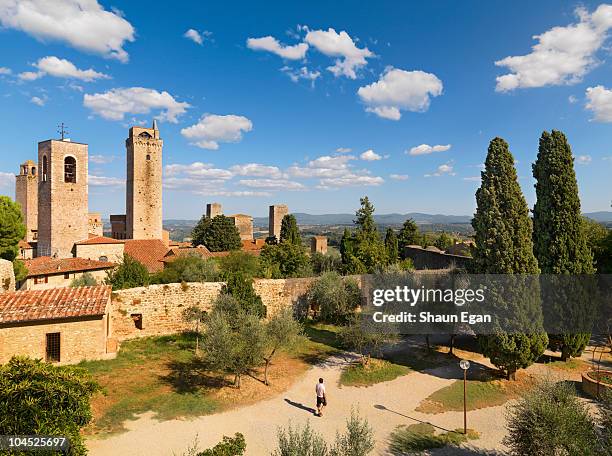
(385, 405)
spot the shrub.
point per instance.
(37, 398)
(358, 440)
(188, 268)
(285, 260)
(355, 336)
(218, 234)
(335, 298)
(241, 288)
(300, 442)
(129, 274)
(229, 446)
(239, 262)
(329, 262)
(86, 280)
(551, 420)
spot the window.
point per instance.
(53, 347)
(66, 276)
(70, 170)
(148, 157)
(137, 318)
(33, 171)
(44, 170)
(103, 258)
(41, 279)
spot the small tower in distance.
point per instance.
(275, 219)
(213, 209)
(144, 183)
(26, 194)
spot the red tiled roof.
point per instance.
(25, 245)
(95, 240)
(149, 252)
(256, 244)
(53, 304)
(49, 266)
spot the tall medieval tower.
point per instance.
(62, 197)
(26, 194)
(144, 183)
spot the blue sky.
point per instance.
(313, 106)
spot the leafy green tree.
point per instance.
(370, 249)
(348, 251)
(391, 245)
(355, 337)
(188, 268)
(560, 242)
(241, 288)
(599, 241)
(86, 280)
(289, 230)
(129, 274)
(240, 262)
(444, 241)
(604, 258)
(504, 246)
(346, 245)
(12, 230)
(38, 398)
(409, 234)
(282, 332)
(331, 261)
(551, 420)
(217, 235)
(335, 298)
(229, 446)
(285, 260)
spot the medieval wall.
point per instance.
(7, 277)
(427, 259)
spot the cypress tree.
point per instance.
(559, 238)
(392, 245)
(289, 230)
(504, 246)
(370, 249)
(409, 234)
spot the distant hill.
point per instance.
(385, 219)
(601, 216)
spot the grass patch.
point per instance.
(572, 364)
(418, 359)
(480, 394)
(376, 371)
(422, 437)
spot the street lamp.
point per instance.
(465, 365)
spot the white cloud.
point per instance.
(398, 90)
(425, 149)
(257, 170)
(212, 129)
(116, 103)
(271, 44)
(275, 184)
(399, 177)
(343, 150)
(103, 181)
(39, 101)
(446, 169)
(327, 161)
(5, 70)
(572, 99)
(7, 179)
(101, 159)
(350, 180)
(198, 170)
(472, 178)
(563, 55)
(600, 102)
(60, 68)
(194, 36)
(583, 159)
(303, 73)
(83, 24)
(340, 45)
(370, 155)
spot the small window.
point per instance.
(53, 348)
(41, 279)
(148, 156)
(66, 276)
(103, 258)
(33, 171)
(137, 318)
(145, 135)
(44, 170)
(70, 170)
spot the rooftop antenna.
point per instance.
(62, 130)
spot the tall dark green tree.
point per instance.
(392, 245)
(218, 234)
(559, 237)
(409, 234)
(12, 230)
(289, 230)
(504, 245)
(370, 249)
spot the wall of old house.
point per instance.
(113, 252)
(7, 276)
(59, 280)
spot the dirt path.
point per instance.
(259, 422)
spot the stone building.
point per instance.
(45, 272)
(213, 209)
(275, 219)
(118, 228)
(100, 248)
(144, 183)
(94, 221)
(7, 276)
(26, 194)
(62, 326)
(318, 244)
(244, 223)
(62, 197)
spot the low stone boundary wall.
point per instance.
(427, 259)
(594, 388)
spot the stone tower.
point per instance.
(26, 194)
(144, 183)
(275, 218)
(213, 209)
(62, 197)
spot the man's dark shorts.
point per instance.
(320, 401)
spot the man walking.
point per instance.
(321, 399)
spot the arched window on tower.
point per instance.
(33, 171)
(44, 169)
(70, 170)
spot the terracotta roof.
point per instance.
(48, 266)
(176, 252)
(53, 304)
(149, 252)
(25, 245)
(94, 240)
(256, 244)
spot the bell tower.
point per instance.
(144, 183)
(26, 194)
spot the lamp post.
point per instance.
(465, 365)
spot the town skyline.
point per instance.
(314, 109)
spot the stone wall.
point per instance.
(112, 252)
(60, 280)
(7, 276)
(427, 259)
